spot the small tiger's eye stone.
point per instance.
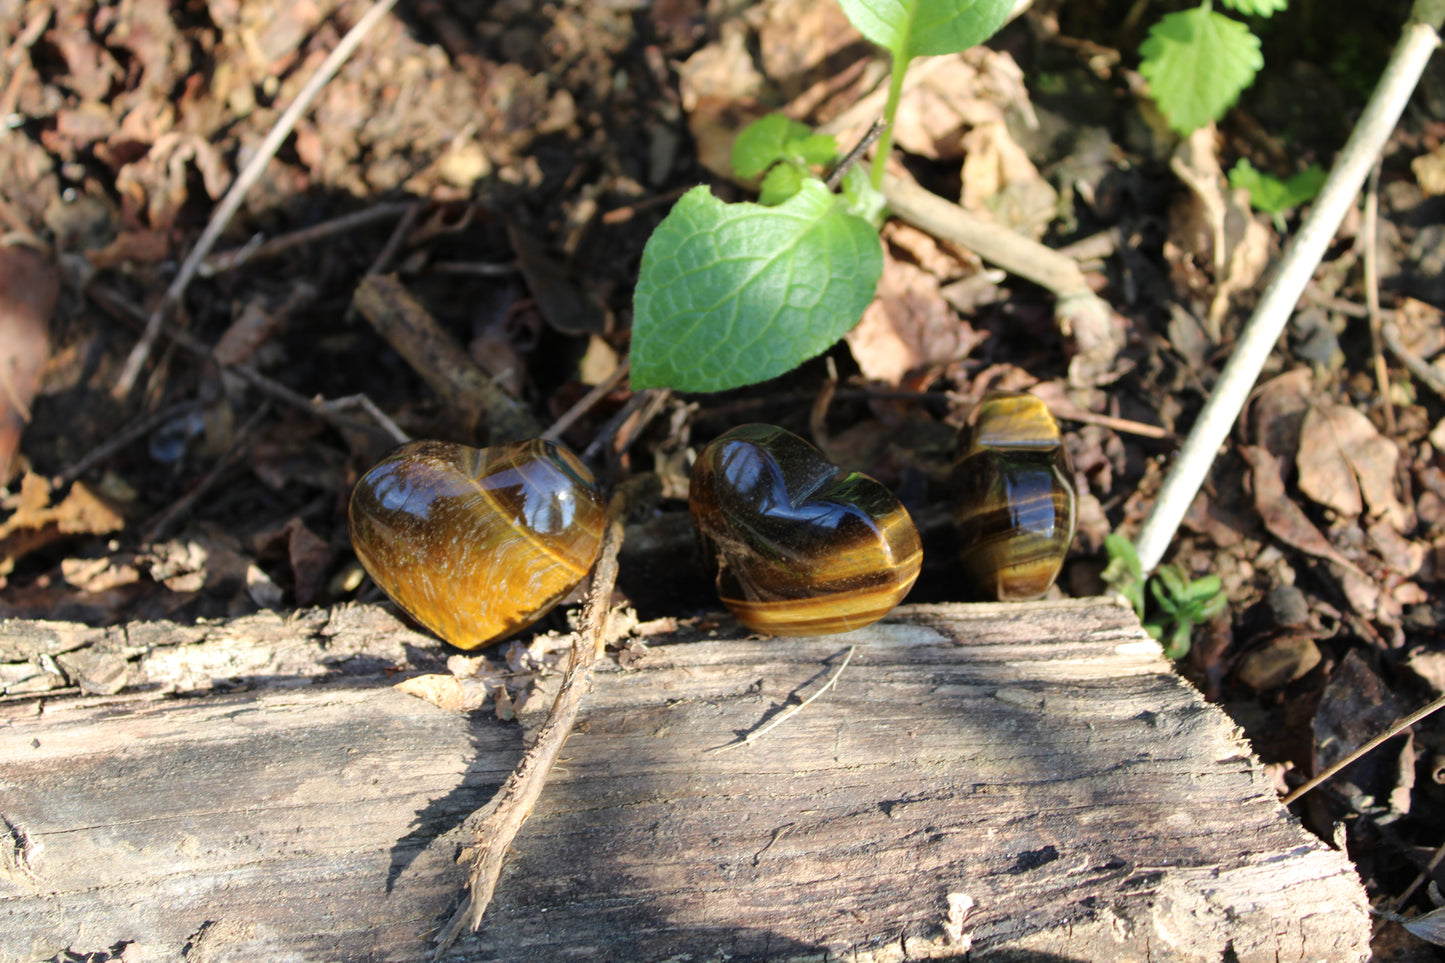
(797, 546)
(477, 543)
(1013, 497)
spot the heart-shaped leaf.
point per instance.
(733, 294)
(1197, 62)
(920, 28)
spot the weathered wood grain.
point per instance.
(1039, 763)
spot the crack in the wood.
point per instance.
(19, 852)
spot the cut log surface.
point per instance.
(1012, 782)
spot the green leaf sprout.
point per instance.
(1273, 196)
(733, 294)
(1179, 602)
(1197, 62)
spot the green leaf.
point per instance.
(781, 183)
(815, 149)
(1173, 581)
(1165, 600)
(917, 28)
(1121, 550)
(1123, 573)
(1256, 8)
(1179, 642)
(1197, 61)
(1212, 607)
(1203, 589)
(764, 142)
(1271, 195)
(862, 198)
(733, 294)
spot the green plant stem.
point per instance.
(890, 111)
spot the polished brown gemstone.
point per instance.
(797, 546)
(1013, 497)
(477, 543)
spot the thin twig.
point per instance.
(365, 403)
(783, 717)
(621, 215)
(230, 260)
(1417, 42)
(1415, 364)
(1122, 425)
(475, 269)
(509, 810)
(1383, 737)
(1421, 879)
(1369, 237)
(183, 505)
(221, 217)
(124, 306)
(399, 233)
(869, 138)
(994, 243)
(648, 402)
(137, 429)
(584, 405)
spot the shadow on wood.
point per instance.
(1028, 782)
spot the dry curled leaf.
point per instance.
(908, 326)
(1278, 409)
(29, 285)
(1285, 520)
(34, 522)
(1278, 662)
(1345, 463)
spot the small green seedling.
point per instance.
(1273, 196)
(1180, 603)
(784, 151)
(1198, 61)
(733, 294)
(1123, 573)
(1185, 603)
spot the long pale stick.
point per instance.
(1419, 40)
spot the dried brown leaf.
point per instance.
(1278, 662)
(1278, 410)
(1001, 181)
(1429, 171)
(720, 89)
(797, 40)
(908, 326)
(1285, 520)
(1213, 227)
(1342, 457)
(29, 285)
(34, 522)
(1429, 665)
(310, 556)
(1325, 474)
(1420, 327)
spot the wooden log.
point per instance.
(1027, 781)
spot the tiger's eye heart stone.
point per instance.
(477, 543)
(1013, 497)
(797, 546)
